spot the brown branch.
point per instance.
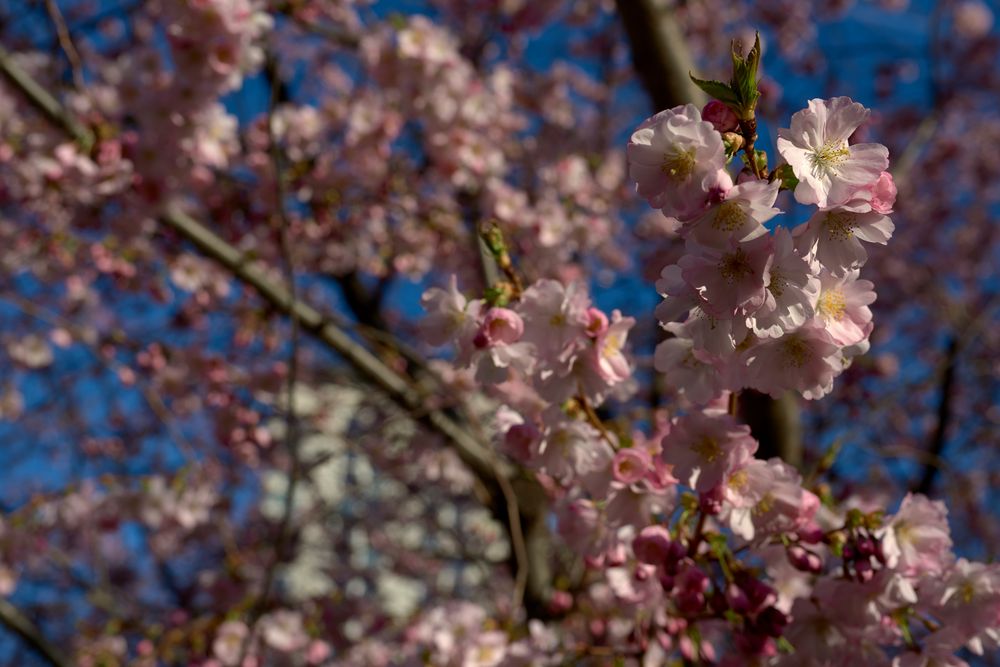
(944, 413)
(326, 332)
(14, 620)
(43, 101)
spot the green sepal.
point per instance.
(744, 82)
(498, 296)
(901, 617)
(760, 157)
(789, 181)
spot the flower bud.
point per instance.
(560, 602)
(720, 116)
(864, 570)
(710, 502)
(803, 559)
(652, 545)
(883, 193)
(811, 533)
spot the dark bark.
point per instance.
(944, 414)
(659, 53)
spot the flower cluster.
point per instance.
(751, 307)
(719, 555)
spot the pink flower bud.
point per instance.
(804, 560)
(652, 545)
(597, 322)
(883, 193)
(519, 440)
(720, 116)
(811, 533)
(560, 602)
(501, 326)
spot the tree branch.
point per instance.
(43, 101)
(659, 53)
(499, 477)
(944, 412)
(15, 621)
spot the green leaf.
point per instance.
(785, 646)
(716, 90)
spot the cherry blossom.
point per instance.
(830, 170)
(676, 160)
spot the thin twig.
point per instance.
(66, 44)
(594, 419)
(281, 224)
(153, 398)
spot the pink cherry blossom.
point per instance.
(830, 171)
(676, 160)
(842, 307)
(705, 446)
(792, 290)
(631, 465)
(450, 316)
(556, 320)
(834, 235)
(917, 539)
(739, 216)
(609, 360)
(697, 378)
(805, 360)
(765, 497)
(731, 279)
